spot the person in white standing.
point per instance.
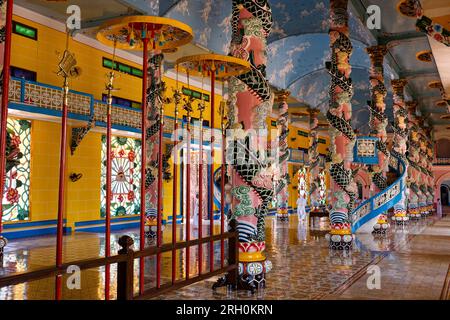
(439, 208)
(301, 206)
(196, 209)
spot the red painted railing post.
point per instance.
(188, 195)
(62, 187)
(144, 161)
(200, 194)
(177, 98)
(211, 181)
(160, 195)
(110, 87)
(4, 106)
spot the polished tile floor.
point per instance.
(413, 262)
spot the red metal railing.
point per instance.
(125, 266)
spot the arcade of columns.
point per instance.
(251, 174)
(416, 147)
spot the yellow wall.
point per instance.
(41, 57)
(44, 170)
(83, 196)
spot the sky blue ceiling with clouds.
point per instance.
(293, 17)
(298, 46)
(291, 58)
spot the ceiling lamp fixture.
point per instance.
(424, 56)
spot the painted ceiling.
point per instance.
(298, 46)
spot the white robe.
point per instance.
(301, 205)
(439, 209)
(195, 217)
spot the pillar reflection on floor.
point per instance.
(304, 267)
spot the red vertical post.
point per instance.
(211, 170)
(160, 195)
(108, 194)
(4, 106)
(62, 188)
(174, 197)
(188, 195)
(144, 161)
(222, 198)
(200, 196)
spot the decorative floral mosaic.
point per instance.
(16, 198)
(126, 168)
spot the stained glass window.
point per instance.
(16, 198)
(302, 187)
(322, 188)
(125, 169)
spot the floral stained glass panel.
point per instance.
(16, 197)
(302, 187)
(125, 177)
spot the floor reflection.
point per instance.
(304, 267)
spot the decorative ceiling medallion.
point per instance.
(170, 50)
(434, 84)
(441, 103)
(424, 56)
(407, 8)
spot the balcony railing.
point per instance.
(441, 162)
(42, 98)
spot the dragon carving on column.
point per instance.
(252, 174)
(155, 99)
(400, 141)
(314, 160)
(283, 194)
(378, 119)
(413, 159)
(430, 177)
(342, 136)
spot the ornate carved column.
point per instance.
(400, 142)
(430, 177)
(378, 123)
(423, 169)
(314, 160)
(155, 94)
(342, 137)
(413, 158)
(378, 119)
(251, 170)
(283, 128)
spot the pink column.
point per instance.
(378, 119)
(400, 142)
(378, 123)
(313, 155)
(283, 127)
(251, 173)
(342, 137)
(413, 159)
